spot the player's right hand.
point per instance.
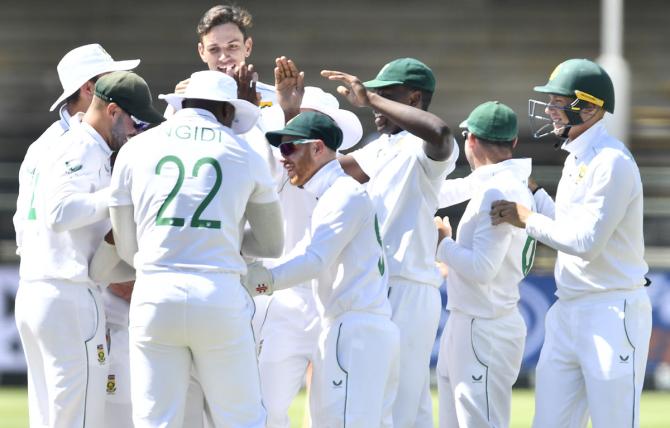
(258, 281)
(443, 228)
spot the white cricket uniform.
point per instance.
(404, 184)
(597, 333)
(189, 181)
(59, 311)
(482, 345)
(355, 373)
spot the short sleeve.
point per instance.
(433, 168)
(264, 191)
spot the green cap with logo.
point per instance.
(404, 71)
(492, 121)
(582, 79)
(130, 92)
(310, 125)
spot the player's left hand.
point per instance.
(246, 78)
(443, 228)
(258, 280)
(353, 88)
(509, 212)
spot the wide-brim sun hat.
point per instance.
(217, 86)
(84, 63)
(316, 99)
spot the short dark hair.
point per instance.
(223, 14)
(501, 144)
(75, 97)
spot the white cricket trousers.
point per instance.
(62, 330)
(288, 341)
(416, 311)
(355, 372)
(479, 362)
(593, 361)
(183, 319)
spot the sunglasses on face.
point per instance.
(465, 133)
(138, 124)
(288, 148)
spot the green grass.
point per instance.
(654, 413)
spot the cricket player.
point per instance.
(78, 71)
(482, 345)
(289, 331)
(404, 169)
(180, 195)
(59, 311)
(355, 373)
(597, 333)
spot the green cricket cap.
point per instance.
(309, 125)
(130, 92)
(492, 121)
(404, 71)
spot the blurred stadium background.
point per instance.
(479, 50)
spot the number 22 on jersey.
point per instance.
(196, 221)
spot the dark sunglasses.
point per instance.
(138, 124)
(465, 133)
(288, 148)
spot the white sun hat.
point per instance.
(216, 86)
(84, 63)
(316, 99)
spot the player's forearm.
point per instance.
(107, 267)
(265, 237)
(423, 124)
(125, 232)
(75, 210)
(297, 270)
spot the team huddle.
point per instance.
(193, 267)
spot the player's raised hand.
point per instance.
(246, 77)
(258, 280)
(352, 87)
(443, 228)
(290, 86)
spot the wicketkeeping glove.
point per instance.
(258, 280)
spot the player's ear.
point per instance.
(415, 98)
(248, 46)
(201, 52)
(516, 140)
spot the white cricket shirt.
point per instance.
(404, 184)
(486, 262)
(189, 181)
(29, 175)
(344, 252)
(597, 228)
(70, 203)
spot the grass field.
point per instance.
(654, 412)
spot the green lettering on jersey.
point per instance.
(380, 264)
(528, 255)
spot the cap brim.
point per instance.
(246, 114)
(275, 137)
(375, 83)
(348, 122)
(107, 68)
(464, 124)
(149, 115)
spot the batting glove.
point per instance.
(258, 280)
